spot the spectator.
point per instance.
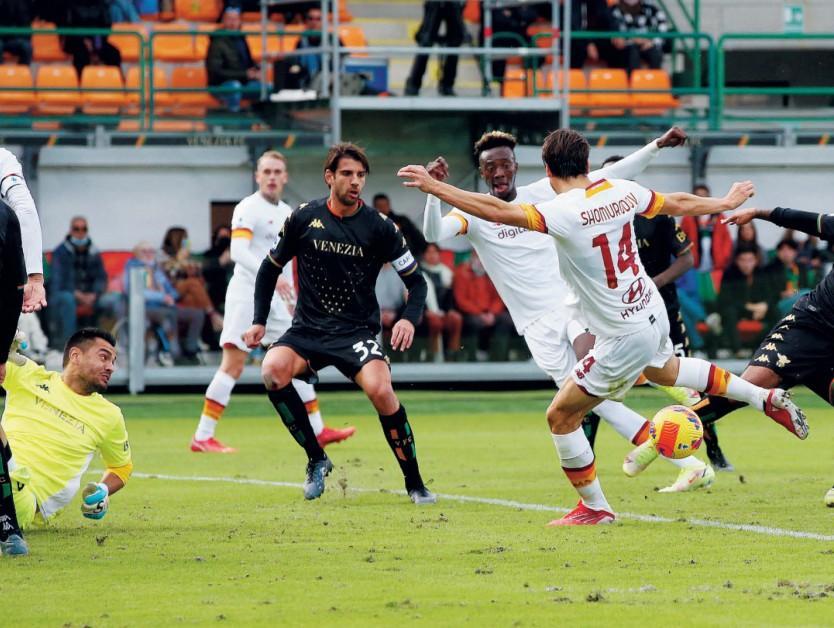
(390, 294)
(300, 71)
(440, 314)
(748, 237)
(229, 62)
(513, 20)
(161, 312)
(185, 274)
(746, 295)
(586, 15)
(77, 280)
(413, 236)
(435, 14)
(218, 265)
(639, 16)
(486, 323)
(16, 13)
(712, 243)
(789, 280)
(123, 11)
(809, 259)
(692, 308)
(87, 49)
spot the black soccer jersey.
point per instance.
(659, 239)
(338, 263)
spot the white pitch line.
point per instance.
(507, 503)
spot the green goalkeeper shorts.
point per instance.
(25, 504)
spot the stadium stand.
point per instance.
(651, 102)
(16, 102)
(57, 102)
(100, 77)
(603, 102)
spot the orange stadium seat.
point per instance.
(198, 10)
(192, 103)
(472, 12)
(255, 41)
(602, 102)
(576, 81)
(353, 36)
(47, 46)
(515, 83)
(130, 46)
(289, 40)
(542, 36)
(344, 13)
(58, 102)
(175, 47)
(161, 100)
(652, 103)
(201, 42)
(17, 101)
(100, 77)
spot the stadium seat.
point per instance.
(515, 83)
(576, 80)
(344, 13)
(17, 101)
(353, 36)
(198, 10)
(472, 12)
(114, 265)
(194, 103)
(58, 102)
(130, 46)
(46, 47)
(202, 42)
(541, 34)
(602, 102)
(100, 77)
(161, 100)
(652, 103)
(255, 41)
(175, 47)
(289, 40)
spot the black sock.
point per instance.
(294, 415)
(713, 408)
(590, 425)
(8, 516)
(401, 441)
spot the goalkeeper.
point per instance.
(54, 423)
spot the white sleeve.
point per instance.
(437, 228)
(14, 191)
(242, 254)
(628, 167)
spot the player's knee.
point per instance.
(381, 395)
(275, 374)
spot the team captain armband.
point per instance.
(655, 205)
(405, 264)
(9, 182)
(535, 221)
(464, 223)
(242, 232)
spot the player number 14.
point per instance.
(625, 255)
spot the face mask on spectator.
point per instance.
(85, 241)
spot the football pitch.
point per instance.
(209, 539)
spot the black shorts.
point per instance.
(348, 353)
(798, 349)
(12, 265)
(677, 333)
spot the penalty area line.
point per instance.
(508, 503)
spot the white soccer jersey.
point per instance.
(598, 252)
(259, 221)
(522, 264)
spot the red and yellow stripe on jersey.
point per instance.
(596, 187)
(242, 232)
(655, 205)
(535, 221)
(582, 476)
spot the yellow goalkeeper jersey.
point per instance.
(54, 432)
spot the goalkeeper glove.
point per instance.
(95, 498)
(18, 344)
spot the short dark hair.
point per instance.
(788, 242)
(85, 336)
(346, 149)
(612, 160)
(494, 139)
(701, 186)
(379, 196)
(565, 153)
(746, 247)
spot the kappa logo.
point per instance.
(777, 336)
(770, 347)
(782, 360)
(790, 317)
(316, 224)
(635, 291)
(43, 387)
(763, 359)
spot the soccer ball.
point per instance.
(676, 432)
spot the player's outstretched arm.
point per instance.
(683, 204)
(437, 227)
(635, 163)
(812, 223)
(480, 205)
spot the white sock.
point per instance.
(713, 380)
(308, 396)
(623, 419)
(218, 393)
(684, 463)
(577, 459)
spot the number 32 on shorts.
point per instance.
(364, 352)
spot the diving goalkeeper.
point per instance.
(54, 423)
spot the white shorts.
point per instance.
(238, 318)
(615, 362)
(547, 339)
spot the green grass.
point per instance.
(186, 552)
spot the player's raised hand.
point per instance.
(675, 136)
(402, 335)
(742, 216)
(34, 295)
(418, 177)
(739, 193)
(95, 499)
(252, 337)
(438, 169)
